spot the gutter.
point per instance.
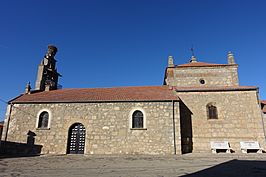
(92, 101)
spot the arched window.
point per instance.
(43, 120)
(137, 119)
(212, 111)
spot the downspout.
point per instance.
(174, 126)
(8, 120)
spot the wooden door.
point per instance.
(76, 140)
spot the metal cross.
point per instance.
(192, 50)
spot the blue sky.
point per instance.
(108, 43)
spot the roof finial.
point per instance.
(230, 58)
(171, 61)
(27, 89)
(193, 58)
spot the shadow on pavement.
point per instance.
(234, 168)
(14, 149)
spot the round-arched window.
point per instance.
(212, 112)
(43, 120)
(137, 119)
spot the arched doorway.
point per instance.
(76, 139)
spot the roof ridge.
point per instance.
(215, 88)
(201, 64)
(113, 87)
(139, 93)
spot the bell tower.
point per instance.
(47, 77)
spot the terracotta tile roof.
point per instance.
(203, 64)
(145, 93)
(220, 88)
(263, 101)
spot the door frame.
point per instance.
(69, 138)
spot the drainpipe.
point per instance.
(174, 126)
(8, 120)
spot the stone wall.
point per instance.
(107, 127)
(239, 118)
(212, 76)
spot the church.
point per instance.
(198, 103)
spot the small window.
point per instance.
(202, 81)
(137, 119)
(212, 111)
(43, 120)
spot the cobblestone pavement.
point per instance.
(217, 165)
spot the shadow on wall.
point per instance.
(186, 128)
(15, 149)
(234, 168)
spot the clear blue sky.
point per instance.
(108, 43)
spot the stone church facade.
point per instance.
(198, 103)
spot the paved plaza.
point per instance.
(217, 165)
